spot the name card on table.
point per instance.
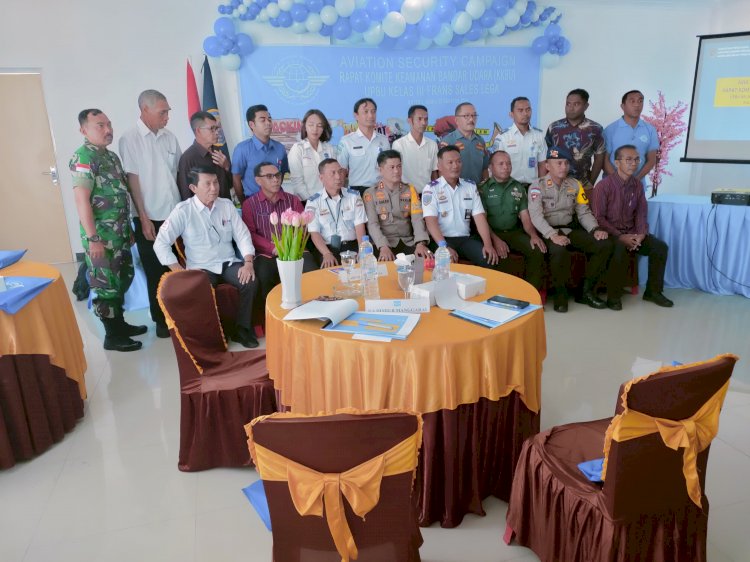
(397, 305)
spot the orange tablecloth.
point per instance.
(444, 363)
(45, 326)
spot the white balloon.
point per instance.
(428, 5)
(498, 28)
(550, 60)
(374, 35)
(520, 6)
(328, 15)
(299, 27)
(360, 3)
(355, 37)
(262, 16)
(424, 43)
(231, 62)
(344, 8)
(444, 36)
(273, 10)
(241, 9)
(475, 8)
(488, 3)
(412, 10)
(461, 23)
(285, 4)
(511, 18)
(394, 24)
(313, 24)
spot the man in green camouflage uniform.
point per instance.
(101, 195)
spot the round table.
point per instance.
(478, 389)
(42, 368)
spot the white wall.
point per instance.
(103, 53)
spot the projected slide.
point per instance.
(719, 128)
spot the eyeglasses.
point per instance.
(271, 177)
(213, 129)
(469, 115)
(630, 160)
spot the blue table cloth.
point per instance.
(709, 245)
(20, 291)
(9, 257)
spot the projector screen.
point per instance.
(719, 127)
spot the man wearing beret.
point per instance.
(560, 211)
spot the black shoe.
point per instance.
(589, 298)
(162, 331)
(244, 337)
(561, 301)
(121, 343)
(128, 330)
(614, 304)
(658, 299)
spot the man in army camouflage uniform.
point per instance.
(394, 212)
(560, 211)
(101, 195)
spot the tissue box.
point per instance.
(468, 286)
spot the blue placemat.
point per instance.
(9, 257)
(20, 291)
(592, 469)
(256, 494)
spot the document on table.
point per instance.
(381, 325)
(335, 311)
(490, 316)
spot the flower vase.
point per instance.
(290, 274)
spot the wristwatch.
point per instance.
(94, 238)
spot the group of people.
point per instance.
(528, 193)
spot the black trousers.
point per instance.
(520, 242)
(351, 245)
(399, 248)
(152, 267)
(468, 248)
(597, 253)
(267, 274)
(247, 291)
(657, 252)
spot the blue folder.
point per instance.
(20, 292)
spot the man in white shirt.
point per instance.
(418, 153)
(150, 155)
(449, 203)
(207, 225)
(358, 151)
(524, 144)
(338, 216)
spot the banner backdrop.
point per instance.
(291, 80)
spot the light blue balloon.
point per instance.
(377, 9)
(212, 46)
(540, 45)
(224, 27)
(342, 28)
(360, 21)
(429, 26)
(552, 30)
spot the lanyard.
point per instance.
(338, 212)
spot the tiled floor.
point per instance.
(111, 490)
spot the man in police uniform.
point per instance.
(394, 212)
(449, 203)
(338, 216)
(560, 211)
(504, 199)
(101, 196)
(471, 147)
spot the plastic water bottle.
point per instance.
(362, 247)
(370, 287)
(442, 262)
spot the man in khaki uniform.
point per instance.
(394, 212)
(560, 212)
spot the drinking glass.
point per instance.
(405, 278)
(348, 259)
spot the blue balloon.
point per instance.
(326, 30)
(342, 28)
(314, 5)
(359, 20)
(429, 26)
(235, 3)
(457, 40)
(564, 46)
(525, 19)
(445, 10)
(253, 10)
(540, 45)
(475, 32)
(299, 12)
(500, 7)
(224, 27)
(388, 42)
(212, 46)
(274, 22)
(488, 19)
(285, 19)
(262, 3)
(460, 4)
(552, 30)
(377, 9)
(329, 2)
(245, 44)
(395, 5)
(223, 9)
(410, 37)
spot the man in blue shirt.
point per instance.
(474, 156)
(251, 152)
(631, 129)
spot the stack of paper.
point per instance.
(378, 325)
(490, 316)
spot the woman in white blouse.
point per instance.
(305, 155)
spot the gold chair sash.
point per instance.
(311, 490)
(694, 434)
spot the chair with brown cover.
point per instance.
(220, 390)
(338, 470)
(651, 505)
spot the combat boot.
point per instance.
(127, 330)
(114, 340)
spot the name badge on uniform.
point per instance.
(467, 214)
(357, 147)
(532, 161)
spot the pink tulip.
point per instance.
(295, 219)
(274, 218)
(307, 217)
